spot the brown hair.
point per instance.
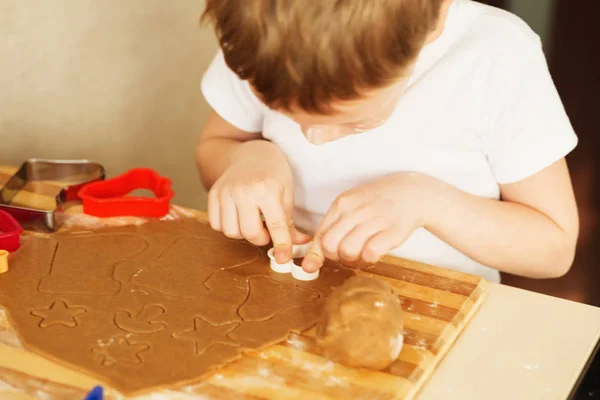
(307, 53)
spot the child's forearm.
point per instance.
(221, 144)
(507, 236)
(215, 155)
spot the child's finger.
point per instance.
(381, 243)
(351, 246)
(251, 225)
(278, 227)
(288, 208)
(314, 258)
(229, 217)
(287, 200)
(336, 232)
(328, 220)
(214, 211)
(376, 247)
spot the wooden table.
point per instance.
(520, 345)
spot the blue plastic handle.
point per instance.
(96, 393)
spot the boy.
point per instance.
(426, 129)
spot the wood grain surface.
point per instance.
(437, 304)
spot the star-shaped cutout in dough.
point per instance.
(59, 313)
(119, 349)
(205, 335)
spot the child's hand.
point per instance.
(365, 223)
(259, 182)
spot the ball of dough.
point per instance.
(361, 325)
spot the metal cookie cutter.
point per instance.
(291, 267)
(74, 173)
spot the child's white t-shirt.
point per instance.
(480, 110)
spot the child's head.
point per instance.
(325, 62)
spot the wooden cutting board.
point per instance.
(437, 305)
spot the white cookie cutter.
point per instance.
(290, 267)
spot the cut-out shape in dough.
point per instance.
(119, 350)
(59, 313)
(205, 335)
(182, 256)
(291, 267)
(101, 254)
(143, 322)
(261, 334)
(227, 291)
(268, 298)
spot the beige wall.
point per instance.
(111, 80)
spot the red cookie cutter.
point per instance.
(109, 198)
(10, 232)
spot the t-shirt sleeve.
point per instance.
(231, 97)
(526, 128)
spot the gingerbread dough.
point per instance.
(157, 305)
(361, 326)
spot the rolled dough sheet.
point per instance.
(158, 305)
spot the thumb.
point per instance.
(314, 258)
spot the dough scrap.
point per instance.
(361, 325)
